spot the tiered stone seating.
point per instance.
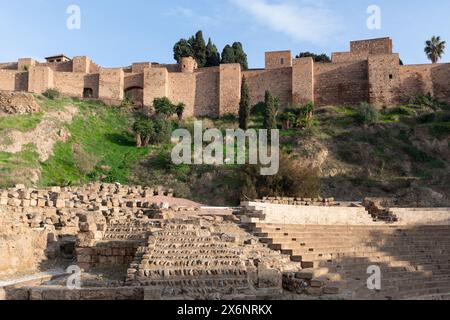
(414, 261)
(185, 260)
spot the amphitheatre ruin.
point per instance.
(143, 243)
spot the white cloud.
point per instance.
(302, 21)
(199, 20)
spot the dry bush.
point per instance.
(84, 161)
(294, 179)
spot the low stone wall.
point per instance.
(309, 215)
(421, 216)
(339, 215)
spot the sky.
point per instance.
(117, 32)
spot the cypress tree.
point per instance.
(228, 55)
(198, 46)
(212, 55)
(270, 111)
(244, 106)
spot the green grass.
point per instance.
(18, 167)
(24, 122)
(103, 132)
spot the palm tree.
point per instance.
(435, 49)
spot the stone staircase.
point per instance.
(184, 260)
(414, 261)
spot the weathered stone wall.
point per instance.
(40, 78)
(384, 79)
(69, 83)
(372, 46)
(81, 65)
(230, 88)
(111, 84)
(369, 72)
(303, 81)
(424, 79)
(8, 79)
(278, 81)
(155, 84)
(278, 59)
(340, 83)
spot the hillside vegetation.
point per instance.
(404, 152)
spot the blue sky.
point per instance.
(119, 32)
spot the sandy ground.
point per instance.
(44, 136)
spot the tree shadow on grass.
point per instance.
(124, 139)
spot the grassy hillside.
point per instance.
(405, 154)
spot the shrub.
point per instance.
(367, 114)
(427, 100)
(164, 107)
(258, 109)
(144, 131)
(162, 130)
(84, 161)
(52, 94)
(179, 110)
(292, 180)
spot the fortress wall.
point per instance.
(156, 82)
(278, 59)
(111, 85)
(8, 79)
(140, 66)
(69, 83)
(9, 65)
(134, 80)
(81, 64)
(342, 57)
(182, 88)
(229, 88)
(278, 81)
(384, 79)
(21, 82)
(92, 81)
(426, 78)
(372, 46)
(207, 93)
(40, 79)
(303, 81)
(340, 83)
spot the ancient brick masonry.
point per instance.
(369, 72)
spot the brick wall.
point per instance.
(340, 83)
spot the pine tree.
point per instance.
(212, 55)
(182, 49)
(244, 106)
